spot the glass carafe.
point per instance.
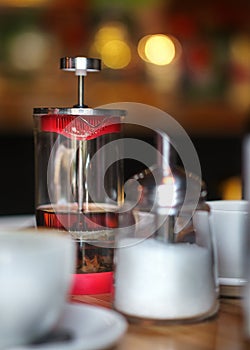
(79, 184)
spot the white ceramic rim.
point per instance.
(232, 281)
(229, 205)
(51, 240)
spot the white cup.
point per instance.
(35, 277)
(229, 220)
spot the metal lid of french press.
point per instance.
(80, 121)
(155, 184)
(165, 187)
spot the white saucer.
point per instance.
(89, 328)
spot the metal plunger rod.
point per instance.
(80, 177)
(81, 66)
(81, 91)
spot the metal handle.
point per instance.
(80, 65)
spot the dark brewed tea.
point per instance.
(91, 229)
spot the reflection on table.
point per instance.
(225, 331)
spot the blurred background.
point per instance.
(188, 58)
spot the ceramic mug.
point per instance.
(35, 277)
(229, 221)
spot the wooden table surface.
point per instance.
(224, 332)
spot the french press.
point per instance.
(77, 190)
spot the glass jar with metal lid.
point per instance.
(166, 268)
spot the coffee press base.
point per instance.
(92, 283)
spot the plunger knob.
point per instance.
(81, 66)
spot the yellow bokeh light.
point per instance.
(110, 43)
(116, 54)
(141, 47)
(159, 49)
(240, 50)
(106, 34)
